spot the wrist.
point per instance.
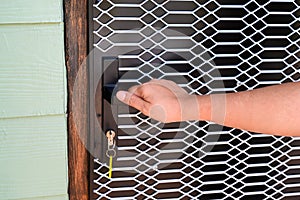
(196, 107)
(204, 107)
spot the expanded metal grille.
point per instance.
(217, 46)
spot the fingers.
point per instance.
(133, 89)
(134, 101)
(171, 85)
(142, 91)
(143, 96)
(147, 90)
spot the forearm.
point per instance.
(271, 110)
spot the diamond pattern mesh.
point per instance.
(224, 46)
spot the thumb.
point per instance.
(134, 101)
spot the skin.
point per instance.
(270, 110)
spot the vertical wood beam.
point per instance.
(76, 44)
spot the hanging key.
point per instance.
(110, 152)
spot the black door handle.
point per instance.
(108, 90)
(110, 79)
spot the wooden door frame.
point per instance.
(76, 51)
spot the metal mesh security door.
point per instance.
(217, 46)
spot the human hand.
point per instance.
(162, 100)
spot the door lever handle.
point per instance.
(110, 79)
(108, 90)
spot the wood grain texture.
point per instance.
(32, 70)
(76, 52)
(33, 157)
(30, 11)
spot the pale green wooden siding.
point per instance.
(30, 11)
(33, 122)
(32, 72)
(33, 157)
(58, 197)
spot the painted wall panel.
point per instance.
(30, 11)
(58, 197)
(33, 157)
(32, 70)
(33, 127)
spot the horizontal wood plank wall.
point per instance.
(30, 11)
(33, 121)
(58, 197)
(32, 72)
(33, 157)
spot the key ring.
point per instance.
(110, 153)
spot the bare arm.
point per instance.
(271, 110)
